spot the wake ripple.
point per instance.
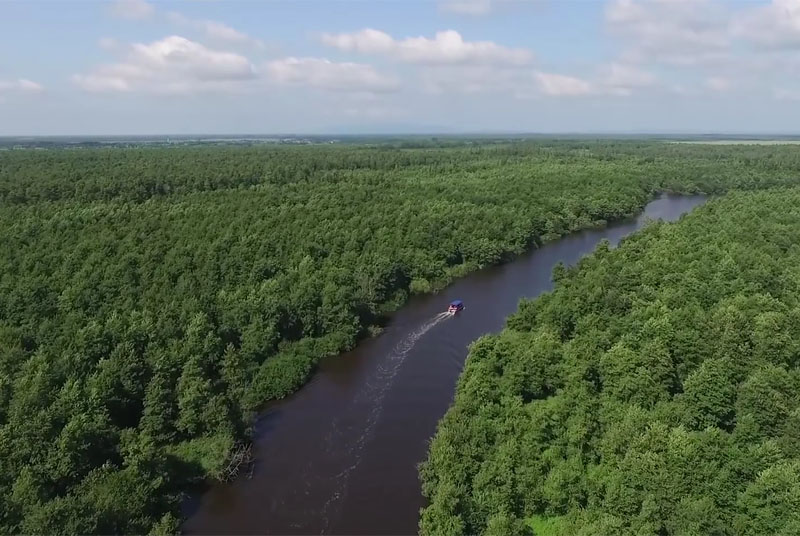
(350, 439)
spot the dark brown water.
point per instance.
(340, 456)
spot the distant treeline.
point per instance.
(655, 391)
(152, 299)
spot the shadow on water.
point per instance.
(340, 456)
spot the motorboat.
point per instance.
(455, 306)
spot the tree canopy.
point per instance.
(655, 390)
(152, 299)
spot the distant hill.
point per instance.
(389, 128)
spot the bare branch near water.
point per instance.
(241, 458)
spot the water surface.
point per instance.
(340, 456)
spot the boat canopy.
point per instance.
(456, 303)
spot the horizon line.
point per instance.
(411, 133)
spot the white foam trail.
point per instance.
(373, 393)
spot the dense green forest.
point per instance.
(655, 391)
(151, 299)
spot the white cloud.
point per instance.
(680, 32)
(517, 83)
(787, 94)
(324, 74)
(611, 79)
(749, 48)
(477, 7)
(29, 86)
(216, 30)
(20, 85)
(621, 75)
(717, 84)
(108, 43)
(467, 7)
(447, 47)
(141, 9)
(776, 25)
(622, 79)
(171, 65)
(222, 31)
(132, 9)
(559, 85)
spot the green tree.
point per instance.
(709, 394)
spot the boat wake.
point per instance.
(353, 436)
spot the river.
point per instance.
(340, 456)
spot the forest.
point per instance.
(153, 299)
(654, 391)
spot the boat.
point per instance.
(455, 306)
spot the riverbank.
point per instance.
(340, 455)
(292, 367)
(632, 398)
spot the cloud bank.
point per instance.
(171, 65)
(446, 47)
(132, 9)
(321, 73)
(20, 85)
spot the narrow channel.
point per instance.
(340, 456)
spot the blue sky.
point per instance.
(314, 66)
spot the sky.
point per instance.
(398, 66)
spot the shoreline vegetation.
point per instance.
(655, 390)
(738, 142)
(153, 300)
